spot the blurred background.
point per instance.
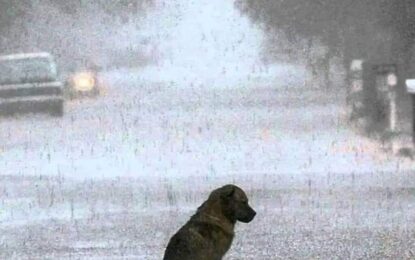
(304, 104)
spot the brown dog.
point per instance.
(209, 233)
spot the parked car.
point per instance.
(29, 83)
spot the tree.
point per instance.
(314, 21)
(10, 14)
(371, 29)
(122, 9)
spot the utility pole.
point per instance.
(410, 88)
(392, 81)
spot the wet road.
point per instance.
(156, 128)
(139, 160)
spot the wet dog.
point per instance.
(209, 233)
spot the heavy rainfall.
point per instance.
(152, 104)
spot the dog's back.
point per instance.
(198, 240)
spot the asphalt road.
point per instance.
(141, 127)
(118, 174)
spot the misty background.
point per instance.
(195, 94)
(206, 39)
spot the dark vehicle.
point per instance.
(28, 83)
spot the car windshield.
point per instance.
(27, 70)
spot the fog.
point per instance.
(208, 36)
(189, 96)
(208, 44)
(187, 41)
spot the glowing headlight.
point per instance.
(83, 81)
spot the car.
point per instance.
(29, 82)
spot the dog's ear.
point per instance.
(227, 191)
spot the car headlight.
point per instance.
(83, 81)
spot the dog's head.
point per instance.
(234, 204)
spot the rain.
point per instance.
(165, 101)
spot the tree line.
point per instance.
(376, 30)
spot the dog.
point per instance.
(209, 233)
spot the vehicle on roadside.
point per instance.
(29, 83)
